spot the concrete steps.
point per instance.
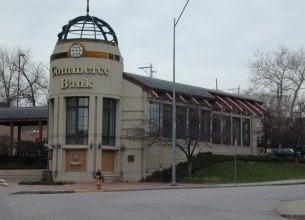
(75, 177)
(111, 178)
(86, 177)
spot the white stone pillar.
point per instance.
(253, 134)
(61, 132)
(55, 135)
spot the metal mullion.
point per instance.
(81, 33)
(77, 117)
(114, 124)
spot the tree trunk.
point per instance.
(190, 167)
(295, 96)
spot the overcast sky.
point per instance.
(215, 38)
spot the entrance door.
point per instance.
(107, 161)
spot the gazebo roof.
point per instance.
(23, 115)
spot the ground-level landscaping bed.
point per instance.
(247, 172)
(210, 168)
(39, 182)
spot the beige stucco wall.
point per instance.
(133, 107)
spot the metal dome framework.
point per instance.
(88, 27)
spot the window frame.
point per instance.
(216, 128)
(77, 138)
(154, 118)
(109, 135)
(246, 134)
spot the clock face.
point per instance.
(76, 50)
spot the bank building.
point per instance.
(93, 102)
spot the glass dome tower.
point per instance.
(88, 27)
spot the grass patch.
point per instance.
(248, 171)
(39, 182)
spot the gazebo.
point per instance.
(23, 116)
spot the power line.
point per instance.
(236, 90)
(150, 68)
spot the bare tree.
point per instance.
(8, 76)
(278, 79)
(279, 75)
(154, 132)
(33, 81)
(270, 74)
(296, 76)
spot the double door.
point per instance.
(108, 161)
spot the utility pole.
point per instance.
(150, 68)
(237, 90)
(235, 162)
(173, 152)
(216, 84)
(18, 78)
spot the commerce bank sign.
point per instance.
(70, 71)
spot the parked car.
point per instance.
(285, 153)
(301, 151)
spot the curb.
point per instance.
(291, 209)
(297, 217)
(42, 192)
(3, 182)
(258, 184)
(148, 189)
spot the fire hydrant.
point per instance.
(98, 180)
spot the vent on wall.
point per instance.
(130, 158)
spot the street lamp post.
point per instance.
(174, 182)
(18, 78)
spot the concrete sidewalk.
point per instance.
(14, 188)
(293, 209)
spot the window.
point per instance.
(194, 123)
(167, 115)
(236, 131)
(181, 121)
(154, 118)
(216, 128)
(77, 120)
(205, 125)
(226, 130)
(246, 132)
(109, 119)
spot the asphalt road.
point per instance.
(217, 203)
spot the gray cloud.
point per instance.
(214, 39)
